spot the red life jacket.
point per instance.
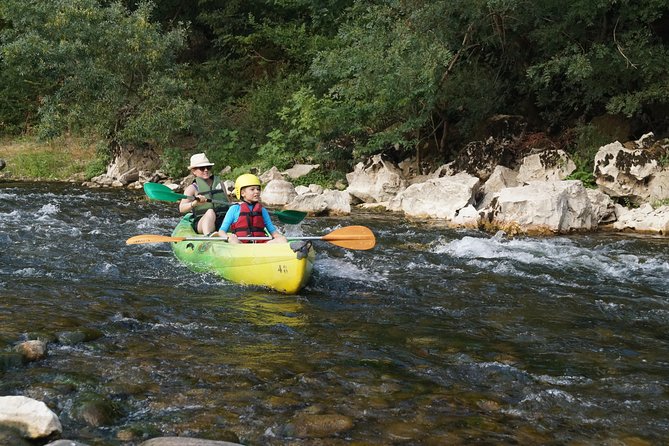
(250, 223)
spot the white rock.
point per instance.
(278, 193)
(437, 198)
(620, 172)
(300, 170)
(377, 180)
(558, 206)
(549, 165)
(271, 174)
(644, 219)
(33, 418)
(502, 177)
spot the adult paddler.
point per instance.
(207, 215)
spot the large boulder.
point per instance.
(549, 165)
(603, 207)
(623, 172)
(278, 193)
(437, 198)
(33, 418)
(501, 178)
(479, 158)
(643, 219)
(658, 186)
(375, 181)
(544, 207)
(129, 161)
(331, 202)
(271, 174)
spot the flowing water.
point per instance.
(436, 336)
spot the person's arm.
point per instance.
(268, 222)
(186, 205)
(230, 217)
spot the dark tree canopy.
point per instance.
(273, 82)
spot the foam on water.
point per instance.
(558, 254)
(346, 268)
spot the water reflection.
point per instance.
(262, 308)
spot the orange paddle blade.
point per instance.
(151, 238)
(352, 237)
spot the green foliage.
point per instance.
(594, 56)
(587, 142)
(95, 168)
(660, 203)
(326, 178)
(305, 123)
(384, 73)
(100, 69)
(44, 164)
(273, 82)
(174, 162)
(222, 148)
(98, 165)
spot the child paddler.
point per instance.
(207, 215)
(248, 218)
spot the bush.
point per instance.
(174, 162)
(588, 140)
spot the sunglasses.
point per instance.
(204, 168)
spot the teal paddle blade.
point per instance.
(157, 191)
(290, 217)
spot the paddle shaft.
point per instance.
(157, 191)
(351, 237)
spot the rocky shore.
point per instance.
(486, 188)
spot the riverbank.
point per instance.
(62, 159)
(489, 186)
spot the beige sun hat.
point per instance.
(199, 160)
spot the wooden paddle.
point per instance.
(157, 191)
(351, 237)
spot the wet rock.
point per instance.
(31, 417)
(65, 443)
(319, 426)
(437, 198)
(10, 436)
(643, 219)
(78, 336)
(184, 441)
(10, 360)
(32, 350)
(551, 207)
(96, 411)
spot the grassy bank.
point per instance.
(64, 159)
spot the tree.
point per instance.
(100, 69)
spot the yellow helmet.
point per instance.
(242, 181)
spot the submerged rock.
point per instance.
(318, 426)
(184, 441)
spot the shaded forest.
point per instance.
(274, 82)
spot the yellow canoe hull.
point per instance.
(271, 265)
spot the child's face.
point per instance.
(251, 194)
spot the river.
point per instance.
(436, 336)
